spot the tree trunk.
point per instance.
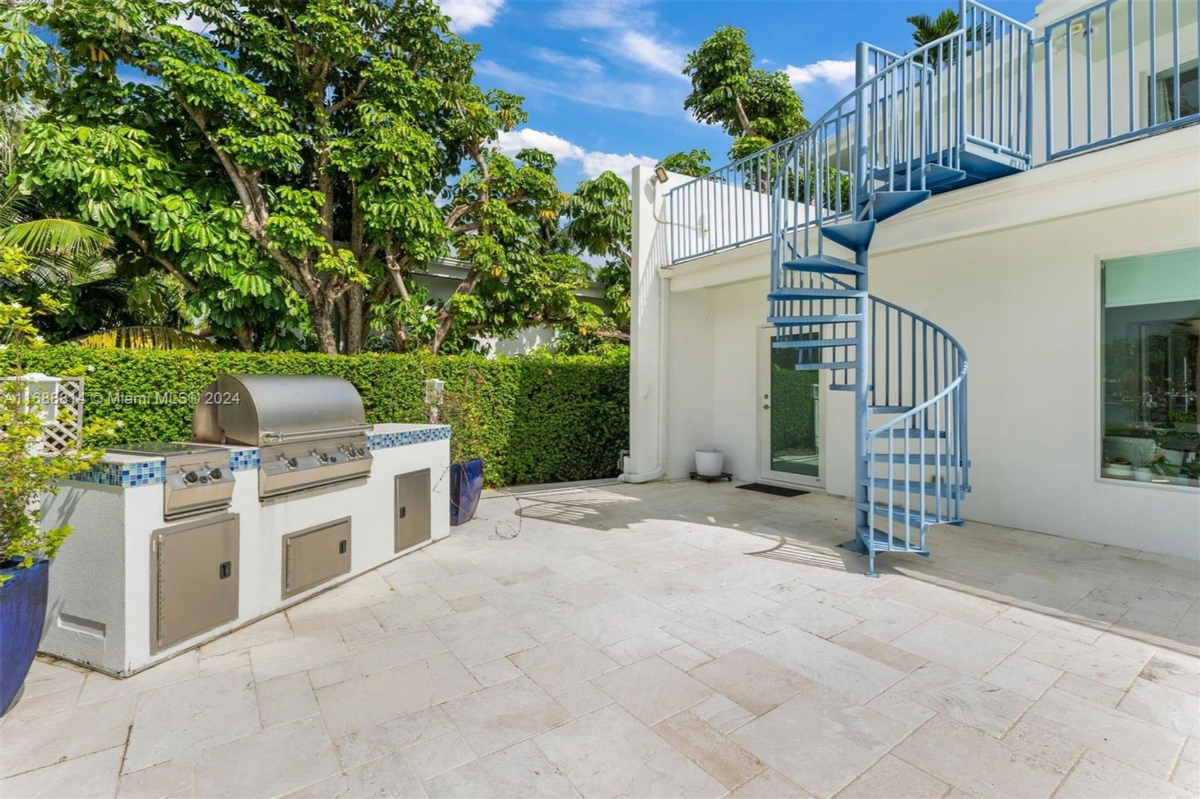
(399, 336)
(743, 119)
(245, 338)
(353, 320)
(321, 313)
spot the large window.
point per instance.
(1151, 354)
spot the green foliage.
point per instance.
(728, 90)
(535, 419)
(693, 163)
(793, 413)
(928, 29)
(25, 472)
(145, 337)
(294, 166)
(601, 216)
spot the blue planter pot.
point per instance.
(22, 615)
(466, 484)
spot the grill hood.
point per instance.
(263, 410)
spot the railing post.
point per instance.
(961, 144)
(861, 76)
(1029, 98)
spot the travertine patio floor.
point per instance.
(663, 640)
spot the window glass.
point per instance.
(1189, 92)
(1151, 355)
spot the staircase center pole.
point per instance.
(862, 357)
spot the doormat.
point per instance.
(776, 490)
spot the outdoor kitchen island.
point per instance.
(150, 572)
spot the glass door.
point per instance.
(789, 414)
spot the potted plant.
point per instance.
(468, 445)
(1118, 467)
(1162, 470)
(26, 474)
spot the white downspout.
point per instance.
(661, 413)
(660, 468)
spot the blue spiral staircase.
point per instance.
(953, 113)
(929, 122)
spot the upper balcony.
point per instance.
(1012, 96)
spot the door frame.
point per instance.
(762, 416)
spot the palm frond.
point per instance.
(60, 236)
(144, 338)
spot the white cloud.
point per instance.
(576, 64)
(466, 15)
(591, 162)
(641, 98)
(837, 73)
(595, 163)
(602, 14)
(650, 52)
(628, 36)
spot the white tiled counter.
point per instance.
(102, 605)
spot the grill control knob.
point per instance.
(323, 457)
(215, 474)
(292, 463)
(191, 477)
(361, 452)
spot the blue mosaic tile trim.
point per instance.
(125, 475)
(245, 459)
(387, 440)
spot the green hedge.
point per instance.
(534, 419)
(793, 413)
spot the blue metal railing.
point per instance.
(897, 122)
(726, 208)
(1095, 89)
(998, 91)
(1115, 71)
(917, 463)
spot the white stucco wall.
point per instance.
(1011, 268)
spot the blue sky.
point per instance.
(601, 78)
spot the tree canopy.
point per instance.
(728, 90)
(294, 164)
(694, 163)
(601, 214)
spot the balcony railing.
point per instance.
(1117, 70)
(1101, 76)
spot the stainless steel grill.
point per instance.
(197, 478)
(311, 429)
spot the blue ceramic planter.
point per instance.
(466, 484)
(22, 614)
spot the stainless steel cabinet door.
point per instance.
(194, 587)
(312, 556)
(411, 509)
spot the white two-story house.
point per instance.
(969, 292)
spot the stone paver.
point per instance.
(662, 640)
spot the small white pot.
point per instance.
(1143, 474)
(710, 462)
